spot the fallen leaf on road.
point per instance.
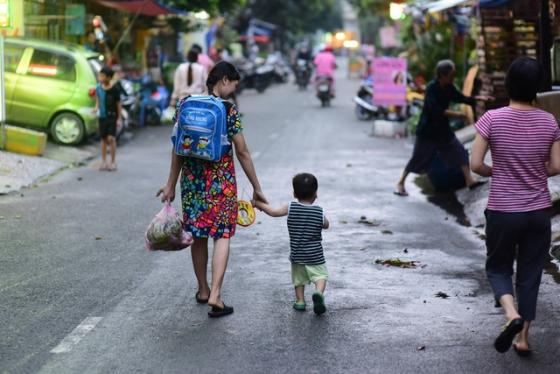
(369, 222)
(344, 222)
(397, 262)
(98, 238)
(421, 348)
(442, 295)
(387, 232)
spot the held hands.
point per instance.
(258, 196)
(484, 98)
(167, 193)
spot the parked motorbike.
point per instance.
(364, 109)
(303, 73)
(281, 70)
(128, 106)
(255, 75)
(324, 87)
(153, 101)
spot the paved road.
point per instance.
(73, 265)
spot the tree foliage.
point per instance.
(370, 7)
(298, 16)
(211, 6)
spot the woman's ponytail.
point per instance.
(192, 57)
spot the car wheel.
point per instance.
(67, 128)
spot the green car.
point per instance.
(51, 87)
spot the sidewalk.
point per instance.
(18, 171)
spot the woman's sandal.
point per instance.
(522, 352)
(199, 300)
(504, 340)
(217, 312)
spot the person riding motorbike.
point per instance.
(325, 63)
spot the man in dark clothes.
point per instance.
(434, 133)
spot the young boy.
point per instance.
(108, 107)
(305, 224)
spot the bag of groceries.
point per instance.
(166, 233)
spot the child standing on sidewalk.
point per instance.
(305, 224)
(108, 107)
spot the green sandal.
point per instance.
(299, 306)
(319, 303)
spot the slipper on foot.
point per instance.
(400, 193)
(318, 303)
(522, 352)
(217, 312)
(199, 300)
(504, 340)
(299, 306)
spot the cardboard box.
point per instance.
(24, 141)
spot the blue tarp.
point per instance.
(493, 3)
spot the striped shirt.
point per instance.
(305, 224)
(520, 143)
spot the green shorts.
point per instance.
(305, 274)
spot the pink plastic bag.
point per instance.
(166, 233)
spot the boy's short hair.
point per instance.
(107, 71)
(305, 186)
(523, 79)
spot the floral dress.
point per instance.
(209, 189)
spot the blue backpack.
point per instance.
(202, 128)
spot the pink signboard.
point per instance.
(389, 81)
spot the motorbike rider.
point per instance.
(325, 63)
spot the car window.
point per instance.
(52, 65)
(12, 57)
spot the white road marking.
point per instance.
(255, 155)
(75, 336)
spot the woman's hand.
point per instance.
(167, 193)
(258, 196)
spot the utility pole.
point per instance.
(545, 43)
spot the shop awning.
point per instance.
(439, 5)
(492, 3)
(144, 7)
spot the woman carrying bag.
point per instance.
(209, 194)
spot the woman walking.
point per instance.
(190, 78)
(434, 133)
(525, 146)
(209, 195)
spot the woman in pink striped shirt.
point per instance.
(524, 143)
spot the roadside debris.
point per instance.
(397, 262)
(442, 295)
(387, 232)
(421, 348)
(405, 250)
(364, 220)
